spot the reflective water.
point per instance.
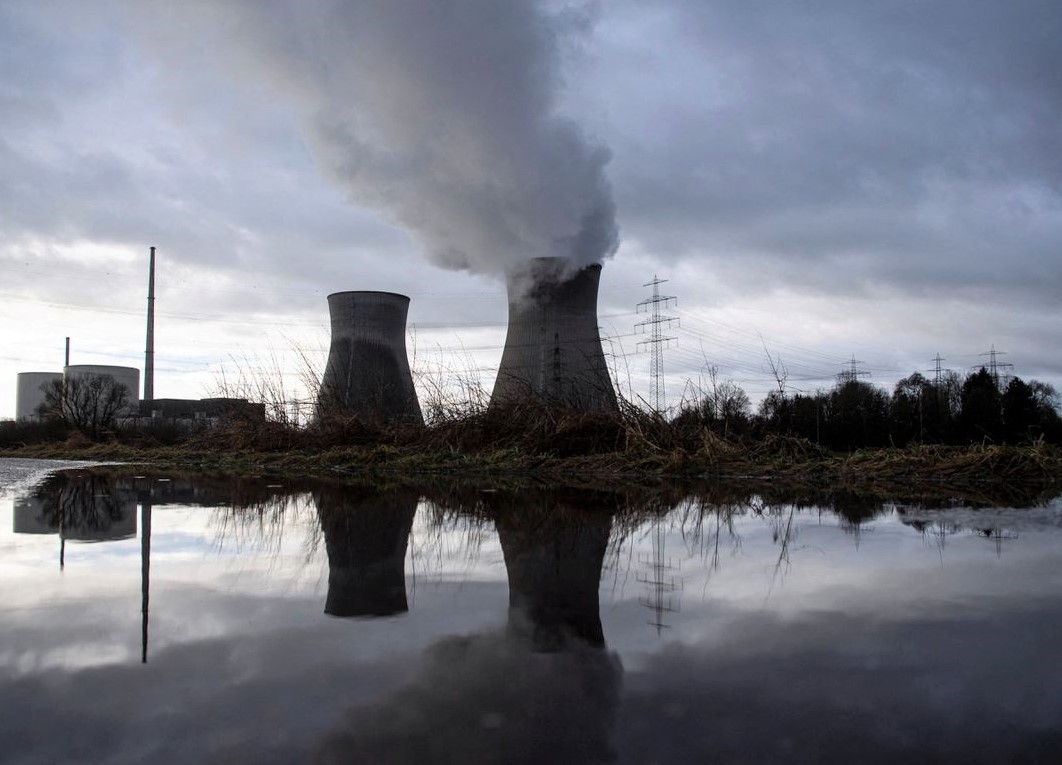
(167, 618)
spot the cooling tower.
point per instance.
(365, 538)
(127, 376)
(553, 348)
(29, 394)
(367, 373)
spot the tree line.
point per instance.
(855, 414)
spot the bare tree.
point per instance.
(89, 403)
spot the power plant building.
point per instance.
(367, 374)
(552, 349)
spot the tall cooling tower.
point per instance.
(367, 373)
(553, 348)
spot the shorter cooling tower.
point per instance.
(127, 376)
(553, 347)
(29, 393)
(367, 373)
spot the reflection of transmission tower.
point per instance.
(656, 343)
(661, 583)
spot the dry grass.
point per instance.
(532, 439)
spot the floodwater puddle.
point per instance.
(188, 619)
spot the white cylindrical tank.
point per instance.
(127, 376)
(29, 393)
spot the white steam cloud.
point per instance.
(441, 115)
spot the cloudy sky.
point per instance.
(823, 179)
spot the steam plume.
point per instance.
(443, 116)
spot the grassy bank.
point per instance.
(555, 446)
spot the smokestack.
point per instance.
(367, 373)
(553, 347)
(149, 351)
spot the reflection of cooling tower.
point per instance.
(553, 347)
(366, 537)
(368, 372)
(553, 558)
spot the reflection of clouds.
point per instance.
(830, 687)
(545, 690)
(488, 699)
(862, 655)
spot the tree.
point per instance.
(1045, 398)
(89, 403)
(913, 408)
(1020, 420)
(982, 408)
(859, 415)
(726, 403)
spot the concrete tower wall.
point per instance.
(553, 347)
(28, 393)
(127, 376)
(367, 373)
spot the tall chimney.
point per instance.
(149, 351)
(553, 347)
(367, 374)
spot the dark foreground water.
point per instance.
(169, 619)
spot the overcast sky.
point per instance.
(829, 179)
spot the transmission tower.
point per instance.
(654, 326)
(853, 372)
(937, 370)
(995, 365)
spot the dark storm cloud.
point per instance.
(98, 146)
(891, 142)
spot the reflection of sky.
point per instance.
(242, 655)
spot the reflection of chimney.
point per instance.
(553, 346)
(145, 572)
(366, 538)
(367, 373)
(553, 557)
